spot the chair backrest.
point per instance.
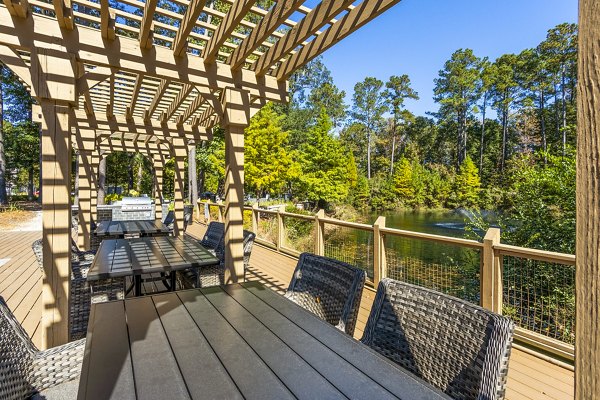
(38, 250)
(329, 288)
(16, 356)
(456, 346)
(214, 237)
(169, 218)
(248, 243)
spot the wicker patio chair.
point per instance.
(215, 275)
(456, 346)
(328, 288)
(214, 238)
(81, 294)
(24, 370)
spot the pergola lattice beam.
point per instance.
(162, 87)
(17, 8)
(107, 20)
(63, 10)
(352, 21)
(271, 21)
(181, 96)
(188, 21)
(134, 95)
(147, 22)
(319, 16)
(234, 16)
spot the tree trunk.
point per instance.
(140, 175)
(368, 153)
(3, 194)
(482, 133)
(130, 173)
(192, 177)
(101, 180)
(30, 184)
(393, 148)
(543, 123)
(564, 111)
(504, 137)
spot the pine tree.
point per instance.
(403, 181)
(467, 184)
(266, 159)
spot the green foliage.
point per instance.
(267, 162)
(210, 158)
(467, 184)
(324, 164)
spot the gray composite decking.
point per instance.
(219, 342)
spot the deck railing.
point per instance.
(533, 287)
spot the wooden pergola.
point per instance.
(156, 77)
(153, 77)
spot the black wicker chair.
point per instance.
(456, 346)
(24, 370)
(81, 294)
(328, 288)
(215, 275)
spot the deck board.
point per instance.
(21, 280)
(529, 377)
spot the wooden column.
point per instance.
(53, 77)
(236, 117)
(180, 151)
(95, 163)
(86, 176)
(56, 223)
(158, 186)
(491, 272)
(587, 281)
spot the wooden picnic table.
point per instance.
(240, 341)
(120, 229)
(118, 258)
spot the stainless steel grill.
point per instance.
(129, 204)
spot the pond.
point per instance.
(449, 268)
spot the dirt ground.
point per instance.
(17, 214)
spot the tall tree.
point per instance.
(397, 90)
(457, 90)
(368, 110)
(560, 51)
(506, 88)
(325, 171)
(267, 162)
(486, 85)
(331, 98)
(102, 179)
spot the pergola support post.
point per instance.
(85, 198)
(180, 152)
(53, 80)
(56, 222)
(587, 280)
(236, 110)
(158, 185)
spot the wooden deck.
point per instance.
(21, 280)
(530, 377)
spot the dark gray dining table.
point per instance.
(120, 229)
(240, 341)
(117, 258)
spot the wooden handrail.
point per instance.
(540, 255)
(435, 238)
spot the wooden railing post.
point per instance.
(255, 218)
(491, 272)
(320, 233)
(219, 213)
(379, 261)
(280, 228)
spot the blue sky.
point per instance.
(416, 37)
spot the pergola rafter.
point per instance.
(154, 80)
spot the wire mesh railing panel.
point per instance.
(350, 245)
(540, 296)
(298, 234)
(450, 269)
(267, 227)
